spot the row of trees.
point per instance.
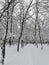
(24, 23)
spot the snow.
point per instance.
(29, 55)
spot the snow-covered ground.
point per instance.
(29, 55)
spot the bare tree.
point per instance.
(24, 16)
(4, 42)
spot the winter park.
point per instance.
(24, 32)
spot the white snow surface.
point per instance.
(29, 55)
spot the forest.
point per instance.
(23, 22)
